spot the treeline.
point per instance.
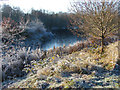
(50, 20)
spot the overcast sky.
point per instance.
(51, 5)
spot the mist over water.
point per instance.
(38, 36)
(61, 37)
(48, 40)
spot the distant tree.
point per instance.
(49, 19)
(6, 11)
(98, 19)
(14, 13)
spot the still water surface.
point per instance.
(60, 38)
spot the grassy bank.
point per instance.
(85, 68)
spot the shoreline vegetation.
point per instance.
(63, 70)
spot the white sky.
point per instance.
(51, 5)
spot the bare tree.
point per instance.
(98, 19)
(11, 31)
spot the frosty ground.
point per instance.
(74, 68)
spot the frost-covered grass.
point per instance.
(14, 60)
(83, 68)
(15, 54)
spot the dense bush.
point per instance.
(11, 31)
(14, 61)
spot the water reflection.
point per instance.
(61, 37)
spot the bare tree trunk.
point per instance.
(102, 44)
